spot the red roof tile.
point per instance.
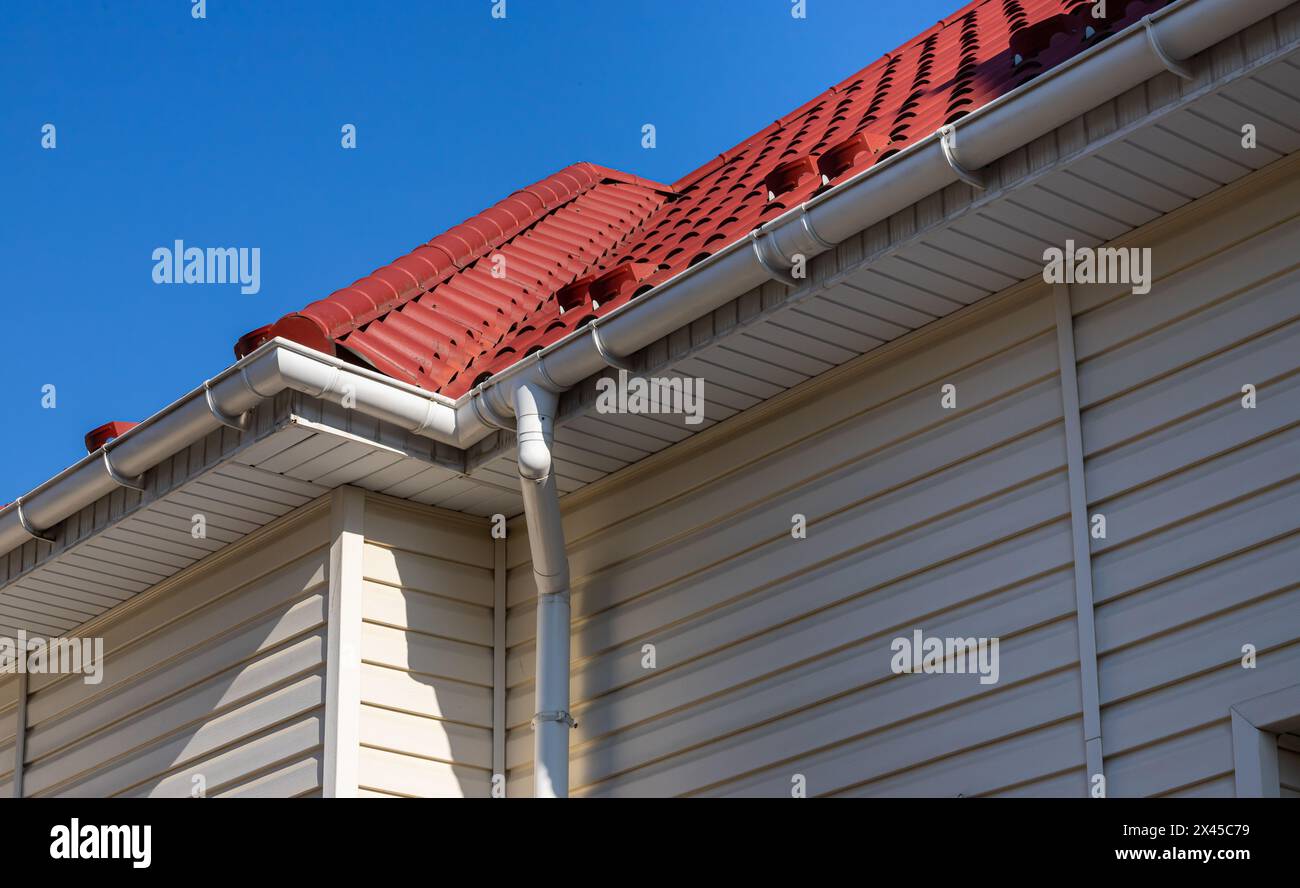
(550, 257)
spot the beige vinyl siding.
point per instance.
(773, 654)
(216, 673)
(426, 653)
(1201, 496)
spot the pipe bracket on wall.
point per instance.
(1165, 58)
(136, 483)
(239, 423)
(948, 141)
(555, 716)
(27, 525)
(605, 355)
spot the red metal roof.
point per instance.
(550, 257)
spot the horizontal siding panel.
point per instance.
(195, 749)
(403, 775)
(1071, 784)
(986, 769)
(177, 696)
(298, 737)
(435, 576)
(1201, 646)
(1197, 543)
(399, 527)
(1224, 787)
(426, 655)
(1173, 765)
(423, 737)
(1196, 701)
(901, 746)
(298, 778)
(1207, 592)
(942, 464)
(792, 692)
(219, 674)
(428, 614)
(1165, 504)
(293, 560)
(172, 643)
(422, 695)
(918, 371)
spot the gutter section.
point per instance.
(226, 399)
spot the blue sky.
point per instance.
(226, 132)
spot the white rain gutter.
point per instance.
(529, 389)
(226, 399)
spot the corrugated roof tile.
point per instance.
(548, 258)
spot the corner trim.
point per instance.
(343, 643)
(1255, 725)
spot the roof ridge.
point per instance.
(390, 286)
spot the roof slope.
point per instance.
(547, 259)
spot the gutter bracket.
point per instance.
(239, 423)
(948, 141)
(605, 355)
(136, 483)
(27, 525)
(555, 716)
(1171, 64)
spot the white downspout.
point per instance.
(535, 428)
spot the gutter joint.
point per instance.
(239, 423)
(136, 483)
(1171, 64)
(948, 141)
(27, 525)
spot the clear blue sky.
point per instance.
(225, 132)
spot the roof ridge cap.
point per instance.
(393, 285)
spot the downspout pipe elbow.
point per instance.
(535, 426)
